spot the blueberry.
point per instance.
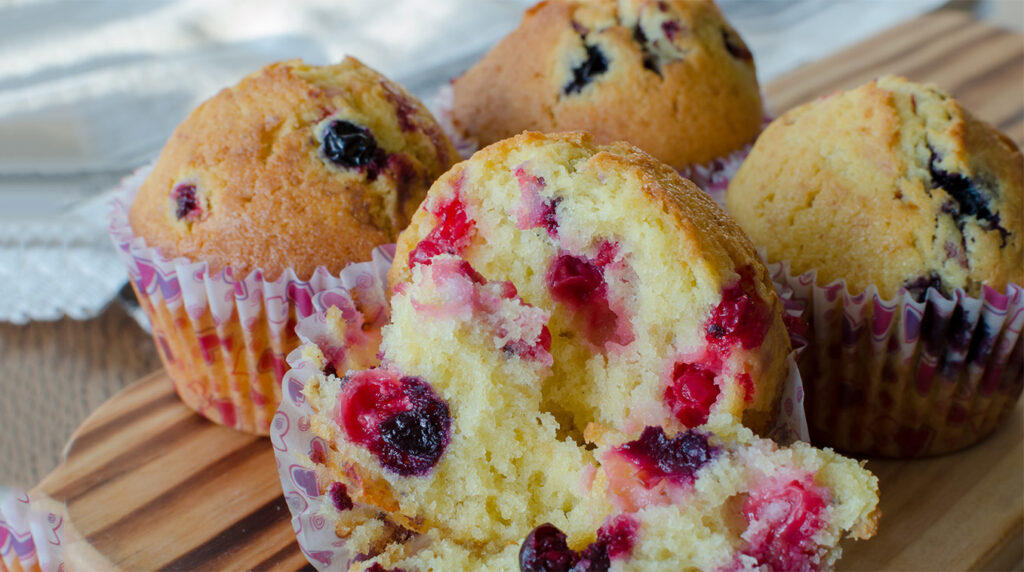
(349, 145)
(649, 59)
(595, 64)
(411, 442)
(968, 198)
(918, 287)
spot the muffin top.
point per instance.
(671, 77)
(892, 184)
(297, 166)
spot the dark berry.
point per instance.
(782, 521)
(741, 317)
(339, 496)
(400, 420)
(450, 235)
(918, 287)
(676, 459)
(734, 44)
(671, 29)
(595, 64)
(376, 567)
(692, 393)
(617, 536)
(650, 62)
(968, 198)
(329, 369)
(349, 145)
(186, 202)
(545, 550)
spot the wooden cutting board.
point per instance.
(148, 485)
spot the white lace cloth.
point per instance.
(91, 90)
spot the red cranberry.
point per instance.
(545, 550)
(782, 521)
(339, 496)
(400, 420)
(741, 317)
(692, 393)
(533, 210)
(451, 234)
(186, 202)
(677, 459)
(579, 283)
(618, 535)
(522, 349)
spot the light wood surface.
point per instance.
(955, 512)
(149, 485)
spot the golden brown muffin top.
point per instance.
(892, 184)
(297, 166)
(672, 77)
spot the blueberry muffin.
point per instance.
(447, 457)
(661, 312)
(892, 184)
(916, 206)
(671, 76)
(297, 166)
(260, 199)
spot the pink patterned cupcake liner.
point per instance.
(299, 452)
(908, 378)
(223, 340)
(31, 539)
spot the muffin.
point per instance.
(672, 77)
(661, 312)
(446, 457)
(905, 212)
(261, 197)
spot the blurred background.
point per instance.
(90, 90)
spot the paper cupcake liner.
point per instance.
(222, 340)
(31, 539)
(902, 378)
(299, 451)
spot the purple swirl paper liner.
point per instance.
(223, 341)
(906, 378)
(299, 452)
(31, 539)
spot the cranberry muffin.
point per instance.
(447, 457)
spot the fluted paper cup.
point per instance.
(907, 378)
(223, 339)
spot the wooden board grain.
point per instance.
(149, 485)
